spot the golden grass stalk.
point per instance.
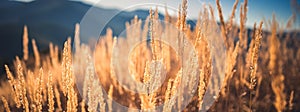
(88, 84)
(230, 69)
(13, 84)
(151, 79)
(176, 83)
(278, 89)
(167, 16)
(245, 9)
(201, 89)
(21, 86)
(25, 43)
(178, 23)
(151, 33)
(167, 107)
(291, 21)
(274, 46)
(181, 25)
(100, 99)
(243, 18)
(50, 93)
(67, 79)
(172, 93)
(57, 96)
(5, 104)
(110, 96)
(251, 46)
(93, 89)
(183, 16)
(39, 95)
(36, 54)
(32, 86)
(212, 13)
(291, 101)
(232, 16)
(146, 103)
(77, 38)
(72, 100)
(82, 105)
(254, 58)
(67, 76)
(223, 26)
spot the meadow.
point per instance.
(163, 65)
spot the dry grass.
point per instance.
(259, 74)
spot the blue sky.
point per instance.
(257, 9)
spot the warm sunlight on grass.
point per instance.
(261, 68)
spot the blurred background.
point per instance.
(54, 20)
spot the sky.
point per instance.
(257, 9)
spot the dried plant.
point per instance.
(5, 104)
(25, 43)
(257, 74)
(36, 54)
(50, 93)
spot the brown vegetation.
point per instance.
(260, 73)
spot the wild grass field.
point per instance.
(258, 72)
